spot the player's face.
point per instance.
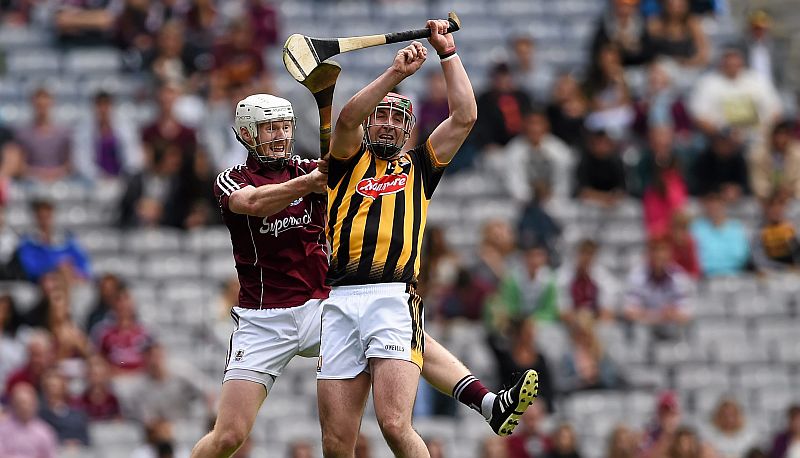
(388, 126)
(275, 137)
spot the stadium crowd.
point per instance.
(660, 119)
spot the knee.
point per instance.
(335, 445)
(229, 440)
(394, 428)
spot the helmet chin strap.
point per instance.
(274, 164)
(385, 151)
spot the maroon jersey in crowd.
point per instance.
(280, 259)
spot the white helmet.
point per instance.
(257, 109)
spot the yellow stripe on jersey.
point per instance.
(377, 211)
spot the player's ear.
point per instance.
(245, 134)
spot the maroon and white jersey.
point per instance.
(280, 259)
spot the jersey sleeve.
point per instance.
(227, 182)
(338, 168)
(306, 165)
(431, 170)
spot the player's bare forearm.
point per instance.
(269, 199)
(448, 137)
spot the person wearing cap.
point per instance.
(734, 97)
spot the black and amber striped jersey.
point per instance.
(376, 215)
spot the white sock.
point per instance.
(486, 405)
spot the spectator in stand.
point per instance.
(134, 31)
(494, 447)
(534, 80)
(722, 167)
(600, 176)
(434, 107)
(662, 105)
(684, 247)
(776, 245)
(610, 103)
(767, 54)
(439, 266)
(167, 132)
(47, 249)
(786, 444)
(173, 189)
(622, 443)
(529, 440)
(22, 433)
(12, 349)
(687, 444)
(658, 436)
(677, 34)
(537, 226)
(121, 338)
(40, 358)
(567, 110)
(586, 366)
(164, 391)
(151, 195)
(538, 157)
(173, 60)
(12, 160)
(203, 23)
(565, 444)
(500, 110)
(515, 349)
(623, 26)
(528, 291)
(586, 286)
(435, 447)
(775, 165)
(98, 399)
(85, 22)
(664, 191)
(53, 313)
(658, 293)
(45, 145)
(728, 432)
(734, 97)
(497, 247)
(264, 20)
(300, 449)
(159, 442)
(10, 264)
(465, 298)
(71, 425)
(238, 60)
(106, 144)
(108, 286)
(722, 243)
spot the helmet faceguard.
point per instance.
(271, 146)
(389, 126)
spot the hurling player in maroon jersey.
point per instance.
(275, 208)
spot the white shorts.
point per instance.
(371, 321)
(264, 341)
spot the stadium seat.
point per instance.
(672, 353)
(153, 240)
(124, 265)
(692, 376)
(115, 434)
(25, 295)
(93, 61)
(33, 61)
(100, 240)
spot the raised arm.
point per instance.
(348, 133)
(447, 138)
(269, 199)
